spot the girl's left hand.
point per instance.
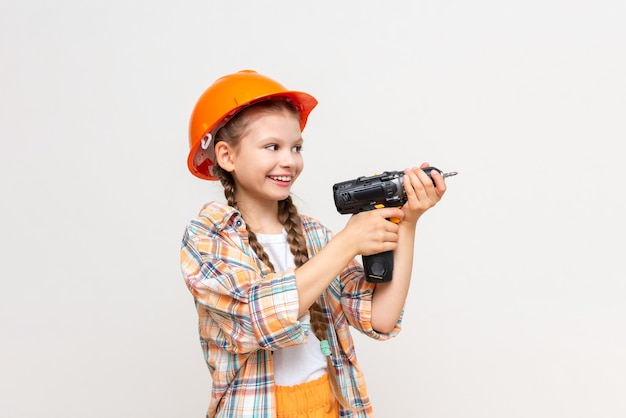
(420, 192)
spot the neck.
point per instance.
(261, 218)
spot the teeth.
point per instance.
(282, 178)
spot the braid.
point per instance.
(258, 248)
(288, 216)
(228, 182)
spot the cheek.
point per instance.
(300, 163)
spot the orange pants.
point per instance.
(307, 400)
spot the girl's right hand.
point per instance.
(371, 232)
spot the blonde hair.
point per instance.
(288, 217)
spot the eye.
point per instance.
(297, 148)
(272, 147)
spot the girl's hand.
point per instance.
(371, 232)
(420, 192)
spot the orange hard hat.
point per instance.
(221, 101)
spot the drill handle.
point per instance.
(378, 267)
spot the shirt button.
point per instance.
(238, 223)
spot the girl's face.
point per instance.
(267, 160)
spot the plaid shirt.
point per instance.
(246, 311)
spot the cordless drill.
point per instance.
(368, 193)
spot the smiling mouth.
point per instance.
(281, 178)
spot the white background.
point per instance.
(517, 305)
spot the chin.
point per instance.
(282, 196)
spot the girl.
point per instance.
(275, 291)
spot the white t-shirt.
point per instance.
(299, 363)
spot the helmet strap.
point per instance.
(206, 140)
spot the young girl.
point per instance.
(275, 291)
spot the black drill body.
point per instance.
(368, 193)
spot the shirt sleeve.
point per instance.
(356, 302)
(239, 308)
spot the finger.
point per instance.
(388, 213)
(440, 182)
(425, 180)
(410, 183)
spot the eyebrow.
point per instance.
(281, 140)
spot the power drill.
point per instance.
(368, 193)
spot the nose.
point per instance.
(288, 158)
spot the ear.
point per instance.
(224, 156)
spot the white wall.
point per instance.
(516, 309)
